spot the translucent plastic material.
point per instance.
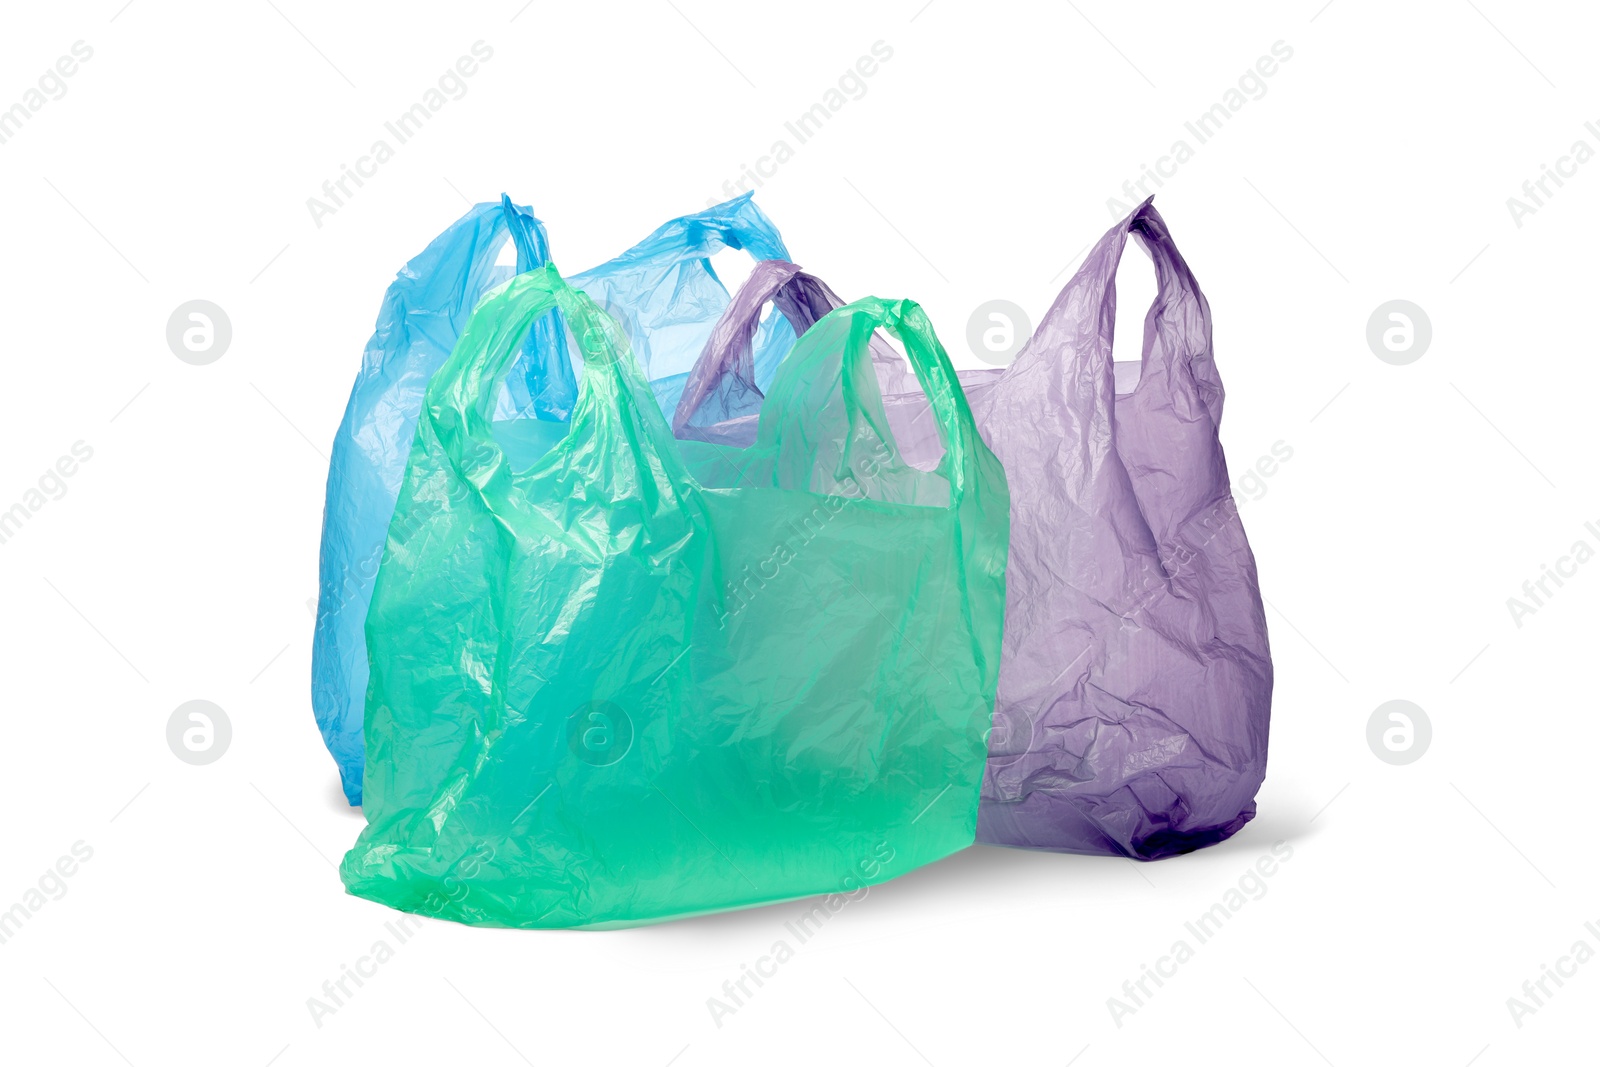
(662, 290)
(1133, 710)
(1136, 684)
(724, 392)
(642, 678)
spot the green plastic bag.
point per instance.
(644, 678)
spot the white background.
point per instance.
(179, 563)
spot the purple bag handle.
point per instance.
(1177, 358)
(800, 297)
(728, 349)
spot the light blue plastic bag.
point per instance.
(664, 293)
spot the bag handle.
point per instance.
(460, 399)
(533, 246)
(905, 320)
(461, 395)
(1179, 354)
(736, 224)
(801, 298)
(1083, 320)
(546, 385)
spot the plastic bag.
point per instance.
(423, 314)
(1135, 696)
(645, 678)
(723, 393)
(1136, 684)
(662, 290)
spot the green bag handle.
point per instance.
(905, 320)
(460, 399)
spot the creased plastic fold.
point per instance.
(662, 291)
(641, 678)
(1136, 683)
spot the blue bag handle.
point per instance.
(673, 265)
(546, 385)
(738, 224)
(527, 233)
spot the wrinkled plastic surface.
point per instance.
(1136, 684)
(722, 395)
(662, 290)
(644, 678)
(1135, 697)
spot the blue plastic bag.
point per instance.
(662, 291)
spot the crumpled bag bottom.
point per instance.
(1052, 823)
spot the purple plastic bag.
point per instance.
(720, 402)
(1136, 683)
